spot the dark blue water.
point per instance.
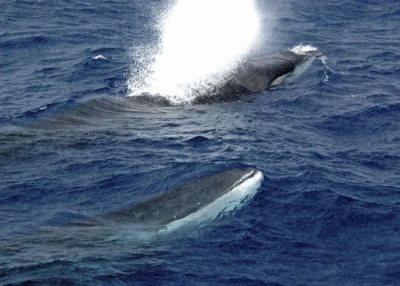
(72, 146)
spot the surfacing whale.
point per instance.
(189, 205)
(255, 74)
(251, 75)
(193, 202)
(132, 234)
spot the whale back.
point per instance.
(181, 201)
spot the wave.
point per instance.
(372, 120)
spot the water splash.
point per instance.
(305, 49)
(201, 40)
(311, 50)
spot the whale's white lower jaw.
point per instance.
(234, 199)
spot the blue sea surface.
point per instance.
(73, 146)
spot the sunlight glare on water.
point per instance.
(200, 39)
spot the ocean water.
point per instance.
(75, 144)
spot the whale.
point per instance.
(188, 206)
(136, 234)
(259, 73)
(254, 74)
(192, 203)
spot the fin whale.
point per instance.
(255, 74)
(252, 74)
(139, 226)
(197, 201)
(258, 74)
(189, 204)
(144, 223)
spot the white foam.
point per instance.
(99, 57)
(303, 49)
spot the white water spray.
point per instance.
(201, 41)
